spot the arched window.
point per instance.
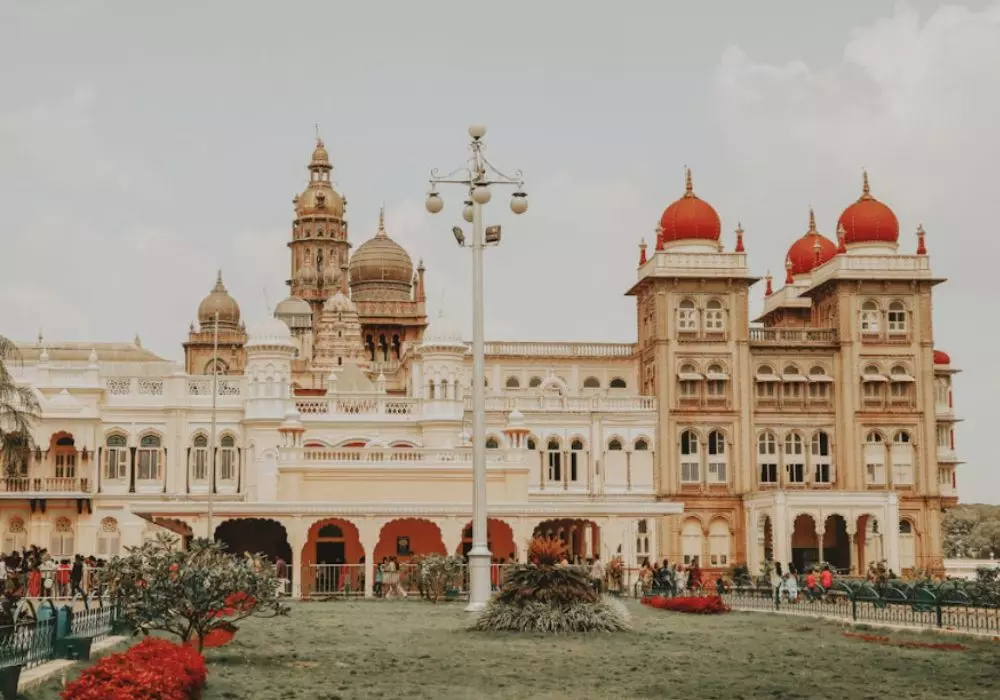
(767, 457)
(615, 445)
(555, 460)
(148, 458)
(108, 539)
(443, 391)
(690, 458)
(535, 382)
(16, 536)
(687, 317)
(795, 459)
(689, 379)
(767, 382)
(62, 538)
(531, 444)
(116, 458)
(716, 384)
(871, 384)
(870, 318)
(492, 443)
(513, 383)
(792, 380)
(714, 321)
(618, 383)
(900, 381)
(907, 545)
(199, 458)
(717, 473)
(640, 445)
(718, 543)
(821, 458)
(902, 459)
(896, 318)
(874, 453)
(227, 458)
(819, 384)
(65, 457)
(576, 449)
(591, 383)
(691, 540)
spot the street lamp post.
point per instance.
(211, 439)
(477, 177)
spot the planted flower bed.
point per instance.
(154, 669)
(697, 605)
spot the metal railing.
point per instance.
(33, 637)
(906, 606)
(48, 484)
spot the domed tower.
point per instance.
(390, 298)
(199, 348)
(868, 226)
(269, 366)
(437, 379)
(319, 244)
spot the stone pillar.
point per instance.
(588, 539)
(522, 528)
(298, 533)
(780, 532)
(891, 533)
(451, 533)
(852, 538)
(820, 534)
(369, 530)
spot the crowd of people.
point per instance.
(35, 573)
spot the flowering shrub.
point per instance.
(696, 605)
(190, 593)
(438, 574)
(154, 669)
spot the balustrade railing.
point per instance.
(567, 403)
(359, 406)
(395, 456)
(541, 349)
(46, 484)
(793, 336)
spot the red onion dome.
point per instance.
(690, 218)
(941, 358)
(869, 220)
(810, 251)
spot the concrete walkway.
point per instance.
(39, 674)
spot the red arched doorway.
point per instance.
(333, 559)
(581, 537)
(255, 536)
(406, 538)
(500, 539)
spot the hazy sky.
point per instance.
(143, 145)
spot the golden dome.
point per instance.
(319, 197)
(219, 302)
(380, 269)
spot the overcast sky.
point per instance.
(143, 145)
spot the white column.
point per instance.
(891, 533)
(780, 532)
(369, 530)
(588, 539)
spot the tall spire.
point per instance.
(688, 183)
(866, 191)
(381, 222)
(219, 286)
(812, 222)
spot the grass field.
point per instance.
(393, 650)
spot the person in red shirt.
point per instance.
(811, 591)
(826, 578)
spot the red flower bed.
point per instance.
(696, 605)
(154, 669)
(879, 639)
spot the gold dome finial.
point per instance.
(688, 183)
(866, 191)
(219, 286)
(381, 222)
(812, 223)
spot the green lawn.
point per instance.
(411, 649)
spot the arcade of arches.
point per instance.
(849, 545)
(309, 548)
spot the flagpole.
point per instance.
(211, 440)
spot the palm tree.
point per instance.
(19, 409)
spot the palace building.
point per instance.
(821, 431)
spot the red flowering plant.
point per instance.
(697, 605)
(154, 669)
(190, 593)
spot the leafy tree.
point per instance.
(438, 574)
(19, 409)
(972, 531)
(189, 593)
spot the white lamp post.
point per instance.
(477, 177)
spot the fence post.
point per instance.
(854, 609)
(938, 613)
